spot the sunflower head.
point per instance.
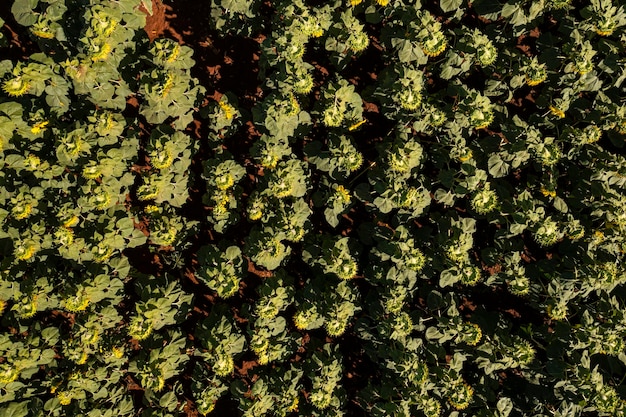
(16, 86)
(435, 44)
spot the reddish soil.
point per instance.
(156, 23)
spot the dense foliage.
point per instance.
(429, 217)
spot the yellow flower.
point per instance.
(3, 305)
(304, 84)
(355, 2)
(140, 328)
(557, 310)
(16, 87)
(101, 253)
(295, 106)
(225, 182)
(548, 193)
(487, 54)
(535, 80)
(481, 118)
(102, 200)
(598, 237)
(556, 111)
(44, 34)
(356, 125)
(227, 109)
(382, 2)
(582, 65)
(294, 405)
(224, 364)
(472, 333)
(468, 155)
(592, 134)
(107, 121)
(83, 358)
(160, 384)
(64, 236)
(65, 397)
(346, 268)
(30, 309)
(437, 118)
(77, 303)
(255, 213)
(607, 32)
(102, 53)
(22, 211)
(206, 408)
(38, 127)
(435, 44)
(335, 327)
(303, 318)
(71, 222)
(221, 205)
(606, 26)
(32, 161)
(535, 72)
(25, 251)
(148, 191)
(259, 345)
(358, 41)
(151, 209)
(353, 161)
(174, 54)
(118, 353)
(91, 172)
(462, 396)
(95, 336)
(300, 321)
(167, 86)
(8, 374)
(54, 388)
(342, 194)
(161, 159)
(431, 407)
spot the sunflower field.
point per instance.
(386, 208)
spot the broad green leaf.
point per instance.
(450, 5)
(497, 167)
(15, 410)
(23, 11)
(168, 401)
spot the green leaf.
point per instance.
(505, 406)
(432, 333)
(372, 15)
(148, 5)
(15, 410)
(331, 217)
(450, 5)
(497, 167)
(448, 277)
(560, 204)
(445, 197)
(23, 12)
(168, 401)
(385, 205)
(435, 300)
(517, 229)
